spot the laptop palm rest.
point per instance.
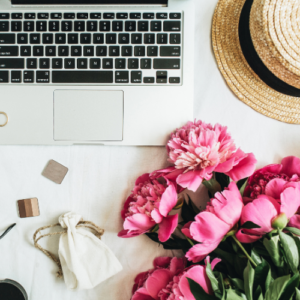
(83, 115)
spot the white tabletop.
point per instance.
(101, 177)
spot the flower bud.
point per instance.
(280, 221)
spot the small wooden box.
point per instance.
(29, 208)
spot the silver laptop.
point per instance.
(116, 72)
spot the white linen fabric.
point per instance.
(85, 260)
(100, 179)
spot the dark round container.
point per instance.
(12, 290)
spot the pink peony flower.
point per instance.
(197, 149)
(288, 170)
(270, 211)
(167, 281)
(210, 226)
(150, 203)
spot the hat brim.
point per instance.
(239, 75)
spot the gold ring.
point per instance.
(3, 113)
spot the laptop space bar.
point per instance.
(82, 77)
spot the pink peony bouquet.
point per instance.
(250, 228)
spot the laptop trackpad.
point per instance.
(82, 115)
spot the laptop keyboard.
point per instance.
(91, 48)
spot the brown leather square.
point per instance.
(55, 171)
(29, 208)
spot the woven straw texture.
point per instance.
(242, 80)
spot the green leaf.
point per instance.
(188, 212)
(237, 283)
(242, 188)
(212, 185)
(262, 276)
(198, 291)
(273, 249)
(224, 255)
(293, 230)
(291, 251)
(248, 281)
(212, 278)
(250, 225)
(240, 263)
(221, 286)
(276, 288)
(256, 257)
(232, 295)
(297, 294)
(241, 182)
(223, 180)
(258, 293)
(290, 288)
(170, 244)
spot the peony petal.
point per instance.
(244, 168)
(275, 187)
(156, 216)
(142, 179)
(190, 180)
(141, 294)
(198, 274)
(246, 238)
(130, 233)
(168, 200)
(290, 201)
(186, 230)
(162, 262)
(214, 262)
(208, 228)
(177, 265)
(167, 227)
(225, 166)
(228, 205)
(200, 251)
(139, 222)
(126, 205)
(157, 281)
(294, 221)
(261, 211)
(291, 166)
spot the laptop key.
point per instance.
(146, 63)
(136, 38)
(41, 26)
(143, 25)
(117, 26)
(161, 16)
(51, 51)
(85, 38)
(9, 50)
(31, 63)
(35, 38)
(111, 38)
(38, 51)
(82, 16)
(148, 15)
(56, 16)
(162, 38)
(104, 25)
(122, 15)
(30, 16)
(66, 26)
(69, 63)
(172, 25)
(17, 16)
(63, 51)
(126, 50)
(43, 16)
(82, 76)
(92, 26)
(3, 76)
(152, 51)
(69, 16)
(54, 26)
(47, 38)
(4, 26)
(4, 16)
(95, 63)
(16, 26)
(22, 38)
(135, 16)
(174, 80)
(88, 50)
(170, 51)
(175, 15)
(82, 63)
(123, 38)
(42, 76)
(121, 77)
(12, 63)
(98, 38)
(130, 25)
(95, 15)
(101, 50)
(107, 63)
(133, 63)
(114, 50)
(175, 38)
(108, 16)
(166, 64)
(139, 51)
(15, 76)
(155, 25)
(149, 38)
(28, 76)
(136, 77)
(29, 26)
(57, 63)
(60, 38)
(76, 51)
(148, 79)
(161, 76)
(120, 63)
(7, 38)
(79, 26)
(73, 38)
(44, 63)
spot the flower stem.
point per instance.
(243, 249)
(190, 241)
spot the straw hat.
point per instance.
(257, 48)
